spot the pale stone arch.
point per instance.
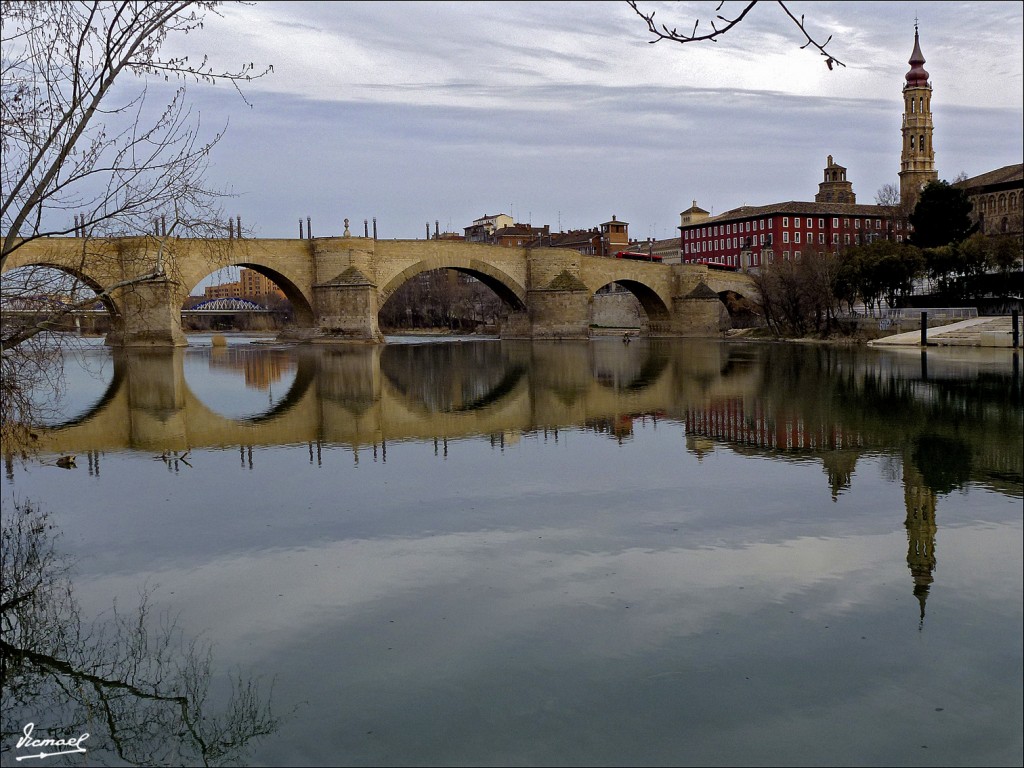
(508, 289)
(301, 303)
(655, 308)
(112, 305)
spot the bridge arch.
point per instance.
(13, 269)
(508, 289)
(656, 312)
(301, 304)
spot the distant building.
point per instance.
(250, 285)
(520, 234)
(223, 291)
(605, 240)
(835, 188)
(614, 237)
(751, 236)
(483, 228)
(586, 241)
(693, 215)
(998, 198)
(667, 249)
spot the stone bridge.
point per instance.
(337, 284)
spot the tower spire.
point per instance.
(917, 160)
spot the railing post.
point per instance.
(924, 329)
(1016, 328)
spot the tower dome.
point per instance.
(917, 75)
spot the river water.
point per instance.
(459, 552)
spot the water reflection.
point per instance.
(128, 687)
(546, 553)
(955, 421)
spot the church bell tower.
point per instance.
(917, 161)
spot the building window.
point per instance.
(846, 223)
(899, 238)
(846, 239)
(796, 221)
(821, 238)
(835, 222)
(796, 256)
(785, 255)
(796, 237)
(878, 223)
(785, 237)
(821, 223)
(835, 238)
(785, 221)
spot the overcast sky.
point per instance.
(563, 114)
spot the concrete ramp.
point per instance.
(976, 332)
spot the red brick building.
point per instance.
(750, 236)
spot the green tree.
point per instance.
(942, 216)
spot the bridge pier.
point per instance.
(346, 309)
(697, 313)
(560, 310)
(149, 315)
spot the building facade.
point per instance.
(483, 228)
(998, 199)
(250, 285)
(751, 236)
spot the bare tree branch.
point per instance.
(69, 146)
(663, 32)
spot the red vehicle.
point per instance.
(723, 267)
(634, 256)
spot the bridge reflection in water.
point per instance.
(367, 395)
(783, 403)
(778, 401)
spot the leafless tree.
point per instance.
(98, 141)
(82, 158)
(721, 25)
(897, 209)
